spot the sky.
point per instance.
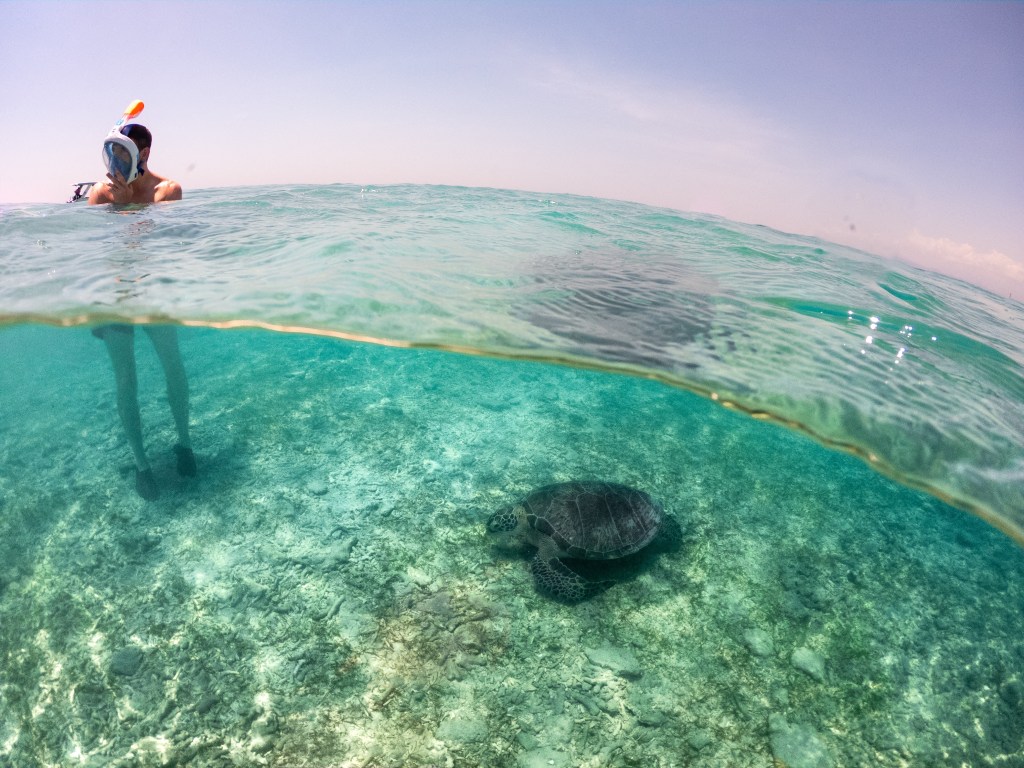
(895, 127)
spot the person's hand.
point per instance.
(119, 188)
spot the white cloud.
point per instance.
(991, 269)
(674, 143)
(682, 117)
(560, 77)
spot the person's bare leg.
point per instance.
(165, 342)
(121, 348)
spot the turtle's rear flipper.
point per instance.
(555, 578)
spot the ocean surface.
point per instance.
(836, 440)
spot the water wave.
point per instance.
(919, 374)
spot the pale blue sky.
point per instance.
(904, 121)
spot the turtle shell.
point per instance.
(591, 520)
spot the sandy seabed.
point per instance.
(324, 592)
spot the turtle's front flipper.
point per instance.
(554, 577)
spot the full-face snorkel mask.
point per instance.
(120, 154)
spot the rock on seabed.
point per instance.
(619, 660)
(809, 662)
(759, 642)
(797, 746)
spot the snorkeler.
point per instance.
(131, 181)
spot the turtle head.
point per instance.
(504, 520)
(509, 528)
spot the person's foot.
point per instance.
(186, 461)
(145, 484)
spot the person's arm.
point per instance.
(100, 193)
(112, 191)
(166, 191)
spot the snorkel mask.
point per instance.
(120, 154)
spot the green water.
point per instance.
(324, 593)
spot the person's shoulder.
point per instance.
(166, 190)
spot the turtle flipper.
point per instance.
(555, 578)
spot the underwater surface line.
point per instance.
(883, 467)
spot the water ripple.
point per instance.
(918, 373)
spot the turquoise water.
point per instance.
(324, 593)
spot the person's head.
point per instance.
(143, 140)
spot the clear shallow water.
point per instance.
(324, 592)
(918, 373)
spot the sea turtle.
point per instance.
(582, 520)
